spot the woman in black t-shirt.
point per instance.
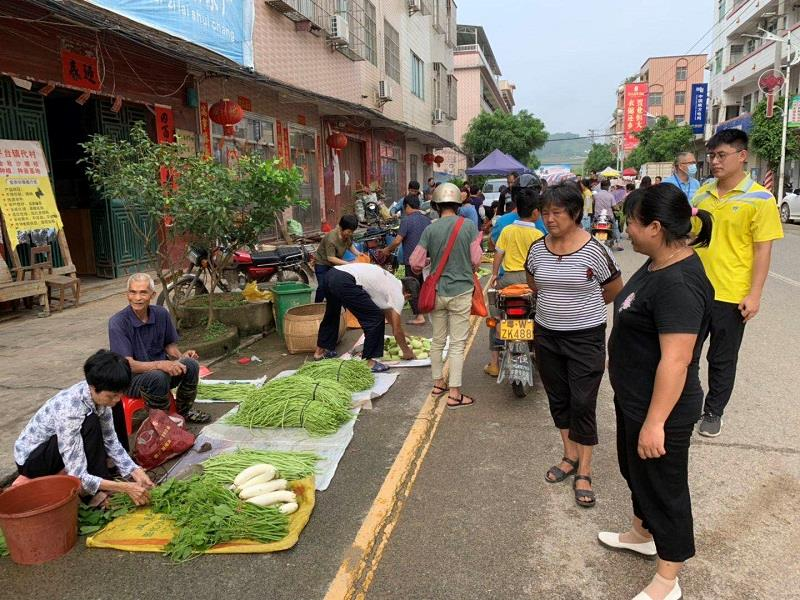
(660, 320)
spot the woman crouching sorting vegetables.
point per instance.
(660, 320)
(74, 431)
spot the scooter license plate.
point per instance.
(516, 329)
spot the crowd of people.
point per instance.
(707, 252)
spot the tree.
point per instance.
(765, 136)
(515, 134)
(660, 143)
(599, 157)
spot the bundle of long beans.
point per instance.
(206, 513)
(320, 407)
(223, 468)
(228, 392)
(355, 375)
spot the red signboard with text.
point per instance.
(80, 71)
(635, 112)
(165, 125)
(205, 129)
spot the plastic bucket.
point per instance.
(40, 518)
(288, 294)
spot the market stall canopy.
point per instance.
(609, 172)
(556, 178)
(498, 163)
(630, 172)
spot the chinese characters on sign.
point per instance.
(80, 71)
(699, 107)
(794, 113)
(165, 125)
(635, 113)
(26, 197)
(205, 129)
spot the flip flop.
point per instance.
(460, 403)
(559, 474)
(379, 367)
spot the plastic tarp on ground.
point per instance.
(498, 163)
(145, 531)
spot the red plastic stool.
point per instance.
(131, 405)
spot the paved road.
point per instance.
(480, 522)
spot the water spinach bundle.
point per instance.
(320, 407)
(355, 375)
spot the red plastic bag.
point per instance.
(159, 439)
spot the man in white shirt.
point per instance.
(374, 296)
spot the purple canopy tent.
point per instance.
(498, 163)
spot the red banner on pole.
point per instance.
(635, 112)
(205, 129)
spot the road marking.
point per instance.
(784, 279)
(361, 561)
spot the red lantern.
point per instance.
(226, 113)
(337, 141)
(428, 158)
(438, 159)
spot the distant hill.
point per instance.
(564, 148)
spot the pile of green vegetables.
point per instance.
(224, 468)
(355, 375)
(420, 346)
(320, 407)
(91, 519)
(227, 392)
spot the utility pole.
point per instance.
(781, 32)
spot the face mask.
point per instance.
(691, 170)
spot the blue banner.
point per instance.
(699, 107)
(222, 26)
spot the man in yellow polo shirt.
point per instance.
(511, 250)
(746, 221)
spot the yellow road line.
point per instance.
(361, 561)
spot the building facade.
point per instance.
(479, 90)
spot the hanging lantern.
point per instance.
(428, 158)
(438, 159)
(226, 113)
(337, 141)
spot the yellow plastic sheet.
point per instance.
(144, 531)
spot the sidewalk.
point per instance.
(40, 356)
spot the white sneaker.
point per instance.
(675, 594)
(611, 540)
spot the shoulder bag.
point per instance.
(427, 293)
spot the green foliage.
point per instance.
(599, 157)
(458, 182)
(660, 143)
(515, 134)
(564, 148)
(765, 137)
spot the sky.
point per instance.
(568, 57)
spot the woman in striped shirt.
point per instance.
(575, 276)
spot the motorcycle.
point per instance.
(283, 263)
(515, 308)
(375, 239)
(601, 226)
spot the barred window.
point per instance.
(371, 33)
(391, 50)
(417, 76)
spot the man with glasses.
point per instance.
(746, 221)
(683, 174)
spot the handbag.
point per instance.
(478, 304)
(427, 293)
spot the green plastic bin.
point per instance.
(288, 294)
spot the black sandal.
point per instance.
(460, 403)
(579, 494)
(196, 416)
(438, 392)
(559, 474)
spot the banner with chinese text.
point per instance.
(635, 112)
(27, 201)
(699, 107)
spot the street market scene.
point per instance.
(377, 299)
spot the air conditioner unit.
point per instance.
(384, 90)
(439, 115)
(414, 6)
(339, 32)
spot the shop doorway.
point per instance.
(303, 147)
(351, 166)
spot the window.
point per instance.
(655, 99)
(412, 167)
(721, 9)
(680, 119)
(737, 50)
(681, 73)
(391, 51)
(438, 85)
(680, 98)
(452, 97)
(417, 76)
(253, 135)
(370, 33)
(747, 103)
(718, 61)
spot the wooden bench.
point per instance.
(59, 279)
(20, 286)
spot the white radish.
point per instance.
(254, 471)
(251, 491)
(288, 508)
(258, 479)
(273, 498)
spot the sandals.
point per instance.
(461, 403)
(438, 392)
(196, 416)
(379, 367)
(581, 494)
(327, 354)
(558, 474)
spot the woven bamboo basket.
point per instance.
(301, 325)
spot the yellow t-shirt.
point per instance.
(514, 242)
(745, 215)
(588, 202)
